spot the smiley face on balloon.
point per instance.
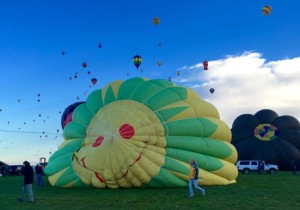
(142, 133)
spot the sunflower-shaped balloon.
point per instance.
(142, 133)
(266, 136)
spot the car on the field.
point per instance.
(15, 169)
(247, 166)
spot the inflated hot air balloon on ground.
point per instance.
(137, 61)
(67, 114)
(156, 21)
(267, 136)
(143, 133)
(266, 10)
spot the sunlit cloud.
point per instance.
(246, 83)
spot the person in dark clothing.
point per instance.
(28, 174)
(261, 166)
(294, 167)
(39, 175)
(2, 170)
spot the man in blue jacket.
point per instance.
(193, 178)
(39, 175)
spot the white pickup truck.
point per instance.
(246, 166)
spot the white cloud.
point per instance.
(246, 84)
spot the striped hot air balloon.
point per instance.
(137, 61)
(266, 10)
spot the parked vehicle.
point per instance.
(247, 166)
(15, 170)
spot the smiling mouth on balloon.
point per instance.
(137, 159)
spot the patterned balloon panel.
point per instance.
(142, 133)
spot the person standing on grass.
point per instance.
(294, 167)
(193, 178)
(28, 174)
(39, 175)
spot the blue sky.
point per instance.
(33, 34)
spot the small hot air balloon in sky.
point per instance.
(99, 45)
(159, 44)
(211, 90)
(205, 65)
(84, 64)
(94, 81)
(137, 60)
(62, 52)
(266, 10)
(169, 78)
(159, 63)
(156, 21)
(178, 73)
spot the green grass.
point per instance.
(252, 191)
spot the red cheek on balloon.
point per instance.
(98, 141)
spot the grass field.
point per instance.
(252, 191)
